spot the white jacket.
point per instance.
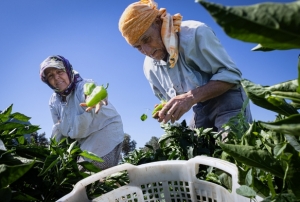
(98, 133)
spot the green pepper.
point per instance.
(99, 93)
(88, 88)
(158, 107)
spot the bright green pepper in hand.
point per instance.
(99, 93)
(158, 108)
(88, 88)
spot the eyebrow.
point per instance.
(51, 72)
(141, 40)
(144, 38)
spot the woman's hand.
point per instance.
(97, 106)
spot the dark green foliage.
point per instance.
(267, 155)
(179, 142)
(36, 170)
(271, 25)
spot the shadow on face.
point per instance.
(57, 78)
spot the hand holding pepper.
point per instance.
(97, 106)
(95, 97)
(157, 108)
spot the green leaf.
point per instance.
(226, 180)
(246, 191)
(279, 148)
(286, 90)
(273, 25)
(144, 117)
(293, 142)
(20, 117)
(249, 178)
(294, 96)
(71, 147)
(287, 86)
(149, 146)
(89, 166)
(50, 162)
(259, 96)
(21, 140)
(172, 155)
(290, 125)
(91, 156)
(33, 151)
(260, 188)
(298, 89)
(254, 157)
(270, 185)
(5, 114)
(27, 129)
(166, 137)
(10, 125)
(9, 174)
(213, 178)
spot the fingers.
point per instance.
(155, 115)
(83, 104)
(165, 114)
(105, 101)
(100, 104)
(98, 107)
(88, 109)
(170, 113)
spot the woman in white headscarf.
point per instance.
(99, 130)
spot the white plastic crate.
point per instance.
(163, 181)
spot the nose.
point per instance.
(56, 76)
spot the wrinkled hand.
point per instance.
(97, 106)
(155, 116)
(175, 108)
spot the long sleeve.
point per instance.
(201, 58)
(205, 51)
(74, 121)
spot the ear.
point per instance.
(158, 20)
(157, 23)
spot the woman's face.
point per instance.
(57, 78)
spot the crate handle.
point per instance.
(79, 188)
(217, 163)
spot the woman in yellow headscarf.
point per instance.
(185, 64)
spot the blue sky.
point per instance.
(86, 32)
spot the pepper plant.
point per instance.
(267, 155)
(31, 172)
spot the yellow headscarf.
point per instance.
(139, 16)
